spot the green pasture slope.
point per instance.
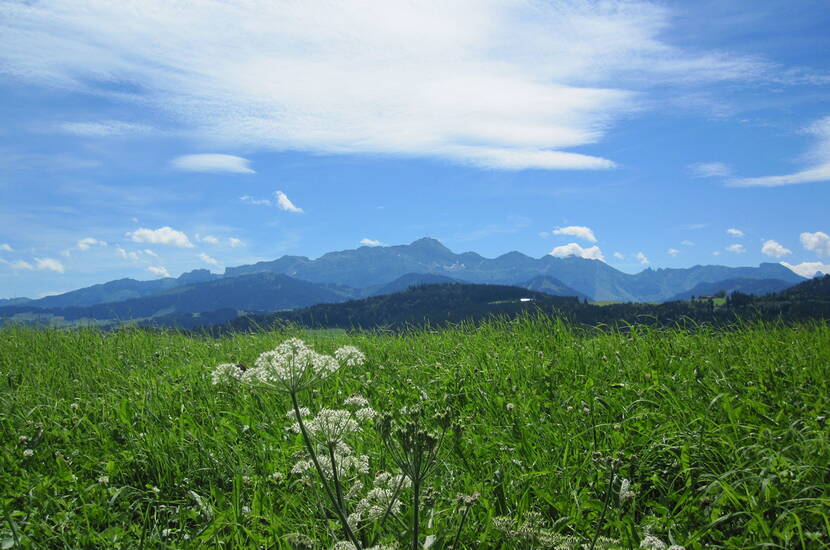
(722, 436)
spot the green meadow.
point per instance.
(554, 437)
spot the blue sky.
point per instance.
(148, 138)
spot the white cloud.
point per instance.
(642, 258)
(207, 259)
(49, 264)
(212, 163)
(235, 243)
(710, 170)
(88, 242)
(687, 243)
(774, 249)
(619, 255)
(573, 249)
(163, 235)
(579, 231)
(20, 264)
(818, 242)
(809, 269)
(716, 253)
(210, 239)
(6, 248)
(285, 204)
(672, 252)
(736, 248)
(150, 253)
(818, 158)
(247, 199)
(159, 271)
(371, 77)
(104, 128)
(735, 232)
(370, 242)
(127, 255)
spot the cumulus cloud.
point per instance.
(103, 129)
(163, 235)
(774, 249)
(285, 204)
(159, 271)
(48, 264)
(809, 269)
(212, 163)
(573, 249)
(672, 252)
(247, 199)
(642, 258)
(235, 243)
(6, 248)
(818, 242)
(370, 77)
(818, 158)
(735, 232)
(736, 248)
(207, 259)
(370, 242)
(579, 231)
(710, 170)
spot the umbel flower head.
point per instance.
(291, 366)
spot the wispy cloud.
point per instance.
(573, 249)
(210, 239)
(235, 243)
(619, 255)
(370, 242)
(642, 258)
(672, 252)
(103, 129)
(818, 162)
(579, 231)
(371, 77)
(247, 199)
(159, 271)
(212, 163)
(208, 260)
(163, 235)
(736, 248)
(774, 249)
(710, 170)
(49, 264)
(735, 232)
(88, 242)
(6, 248)
(285, 204)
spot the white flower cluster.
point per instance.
(226, 373)
(331, 425)
(650, 542)
(348, 464)
(346, 545)
(350, 356)
(364, 412)
(291, 366)
(383, 496)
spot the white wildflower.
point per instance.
(365, 414)
(650, 542)
(625, 491)
(350, 356)
(28, 452)
(356, 400)
(291, 366)
(103, 480)
(301, 466)
(23, 439)
(227, 373)
(330, 425)
(344, 545)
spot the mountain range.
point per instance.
(292, 282)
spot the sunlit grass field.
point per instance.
(120, 440)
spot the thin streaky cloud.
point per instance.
(216, 163)
(371, 77)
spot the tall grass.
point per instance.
(722, 435)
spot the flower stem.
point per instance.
(340, 514)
